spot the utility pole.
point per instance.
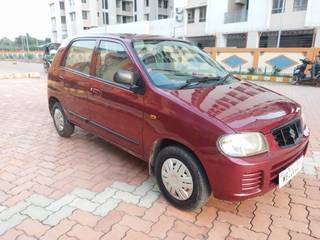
(280, 26)
(27, 43)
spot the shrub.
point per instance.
(251, 70)
(275, 70)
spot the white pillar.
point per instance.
(317, 38)
(221, 40)
(253, 40)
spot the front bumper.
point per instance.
(236, 179)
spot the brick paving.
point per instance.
(85, 188)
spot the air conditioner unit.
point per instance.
(240, 2)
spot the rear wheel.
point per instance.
(181, 178)
(61, 123)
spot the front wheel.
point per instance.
(295, 80)
(181, 178)
(62, 124)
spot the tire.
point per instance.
(294, 80)
(189, 166)
(61, 123)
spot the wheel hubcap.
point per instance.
(58, 119)
(177, 179)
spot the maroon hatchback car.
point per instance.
(167, 102)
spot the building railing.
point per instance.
(236, 16)
(277, 10)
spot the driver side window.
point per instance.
(111, 57)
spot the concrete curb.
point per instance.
(19, 75)
(264, 78)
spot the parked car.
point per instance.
(164, 100)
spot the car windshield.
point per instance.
(176, 64)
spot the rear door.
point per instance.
(115, 111)
(74, 74)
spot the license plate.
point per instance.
(286, 175)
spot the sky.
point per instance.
(18, 17)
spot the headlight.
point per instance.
(243, 144)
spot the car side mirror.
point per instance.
(130, 79)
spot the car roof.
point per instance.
(120, 36)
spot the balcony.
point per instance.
(236, 16)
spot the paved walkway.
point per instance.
(85, 188)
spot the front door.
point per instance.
(75, 77)
(115, 111)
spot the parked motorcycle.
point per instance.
(300, 76)
(49, 52)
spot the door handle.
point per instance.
(95, 91)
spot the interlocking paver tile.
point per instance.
(123, 186)
(106, 207)
(84, 218)
(83, 193)
(39, 200)
(61, 214)
(56, 205)
(127, 197)
(58, 230)
(84, 204)
(36, 213)
(147, 200)
(93, 189)
(33, 227)
(84, 232)
(11, 222)
(7, 213)
(103, 196)
(117, 232)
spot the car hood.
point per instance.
(243, 106)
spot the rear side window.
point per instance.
(112, 57)
(79, 55)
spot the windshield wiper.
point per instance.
(224, 78)
(195, 80)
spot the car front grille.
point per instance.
(288, 134)
(252, 182)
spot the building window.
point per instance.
(300, 5)
(135, 18)
(202, 14)
(85, 15)
(61, 5)
(105, 16)
(127, 19)
(53, 21)
(160, 16)
(165, 3)
(118, 3)
(71, 2)
(84, 1)
(63, 19)
(191, 15)
(277, 6)
(52, 9)
(147, 3)
(146, 17)
(104, 4)
(119, 19)
(135, 5)
(237, 40)
(73, 16)
(126, 6)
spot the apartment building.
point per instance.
(70, 17)
(253, 23)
